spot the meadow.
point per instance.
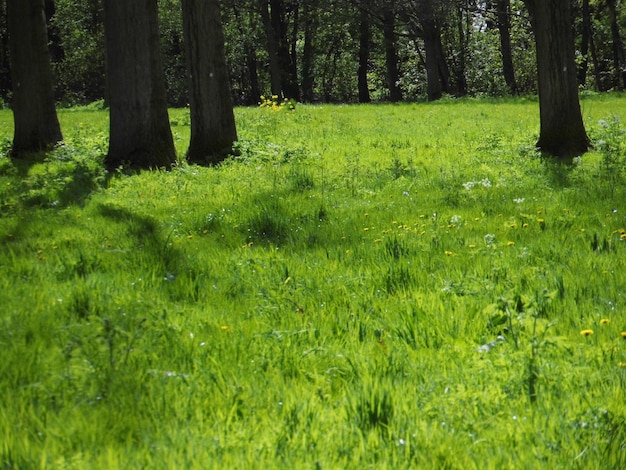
(363, 286)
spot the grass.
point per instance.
(380, 286)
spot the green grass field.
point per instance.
(380, 286)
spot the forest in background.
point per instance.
(344, 50)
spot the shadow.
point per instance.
(61, 177)
(147, 233)
(558, 169)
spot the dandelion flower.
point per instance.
(511, 244)
(605, 321)
(225, 328)
(448, 253)
(623, 334)
(586, 332)
(621, 364)
(541, 221)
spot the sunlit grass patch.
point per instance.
(391, 286)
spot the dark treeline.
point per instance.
(344, 50)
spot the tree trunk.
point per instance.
(619, 58)
(55, 46)
(140, 134)
(213, 130)
(272, 50)
(562, 131)
(435, 81)
(364, 52)
(391, 54)
(36, 124)
(308, 77)
(282, 68)
(503, 13)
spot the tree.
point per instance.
(364, 51)
(34, 111)
(308, 50)
(562, 132)
(426, 23)
(140, 134)
(283, 68)
(213, 128)
(503, 14)
(391, 53)
(619, 57)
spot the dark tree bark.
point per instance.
(503, 14)
(55, 47)
(437, 72)
(562, 132)
(272, 50)
(308, 51)
(619, 58)
(213, 129)
(140, 134)
(282, 63)
(364, 51)
(391, 53)
(36, 123)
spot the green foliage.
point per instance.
(389, 286)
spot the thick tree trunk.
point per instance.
(562, 131)
(391, 54)
(36, 123)
(503, 13)
(140, 134)
(364, 52)
(213, 130)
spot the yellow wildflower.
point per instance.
(586, 332)
(605, 321)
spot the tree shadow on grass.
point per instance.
(52, 180)
(558, 170)
(147, 235)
